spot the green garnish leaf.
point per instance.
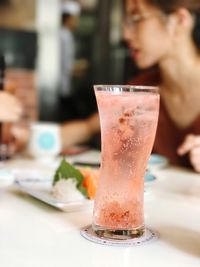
(66, 171)
(82, 190)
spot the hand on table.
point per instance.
(191, 145)
(10, 108)
(20, 135)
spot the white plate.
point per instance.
(6, 178)
(41, 190)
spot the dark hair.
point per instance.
(65, 16)
(169, 6)
(196, 30)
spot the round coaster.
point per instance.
(148, 236)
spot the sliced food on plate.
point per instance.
(71, 183)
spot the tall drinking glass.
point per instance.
(128, 118)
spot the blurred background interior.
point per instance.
(29, 34)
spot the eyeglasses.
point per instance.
(134, 20)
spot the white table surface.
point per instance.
(33, 234)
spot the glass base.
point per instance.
(149, 236)
(119, 234)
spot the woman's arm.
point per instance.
(10, 108)
(79, 131)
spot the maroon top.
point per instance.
(168, 136)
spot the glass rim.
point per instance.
(125, 88)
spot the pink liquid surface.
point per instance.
(128, 127)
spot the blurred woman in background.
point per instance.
(166, 34)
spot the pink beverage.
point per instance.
(128, 117)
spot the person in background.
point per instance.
(70, 67)
(10, 107)
(11, 113)
(165, 35)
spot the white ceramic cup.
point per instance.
(45, 140)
